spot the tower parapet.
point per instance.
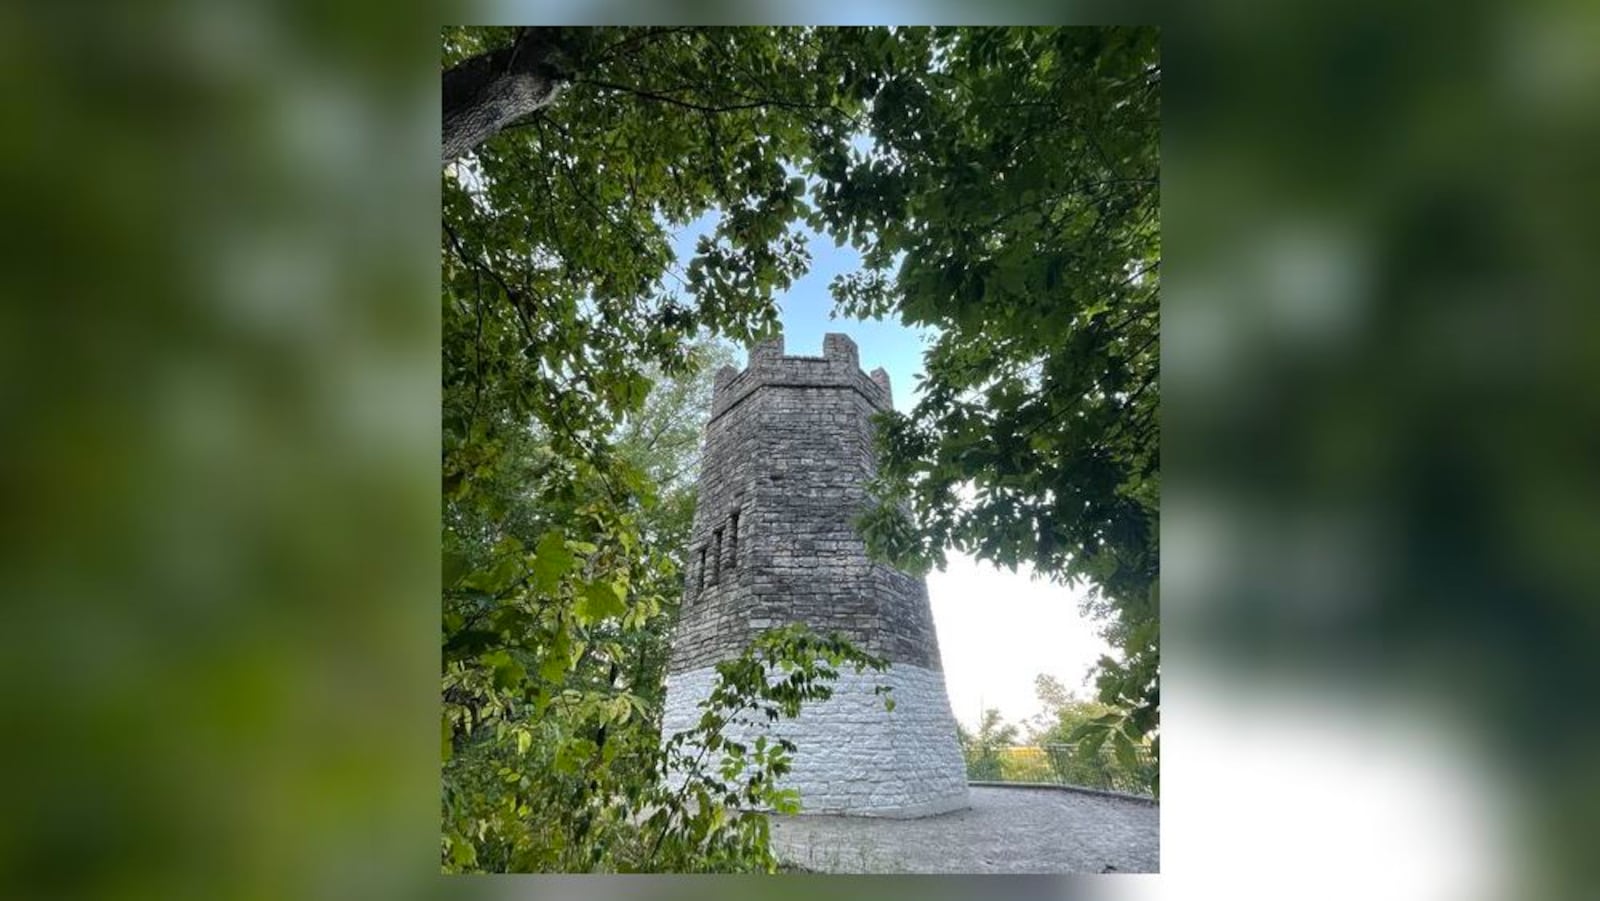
(839, 366)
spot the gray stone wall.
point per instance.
(854, 756)
(788, 453)
(787, 457)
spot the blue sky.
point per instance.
(997, 629)
(806, 306)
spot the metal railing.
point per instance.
(1060, 764)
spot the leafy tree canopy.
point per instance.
(1008, 198)
(1011, 200)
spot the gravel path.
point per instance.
(1007, 830)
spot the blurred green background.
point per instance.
(219, 484)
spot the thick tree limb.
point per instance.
(484, 94)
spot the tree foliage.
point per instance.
(1011, 201)
(1081, 750)
(1010, 177)
(539, 793)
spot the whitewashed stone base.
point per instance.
(853, 756)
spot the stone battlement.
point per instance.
(838, 367)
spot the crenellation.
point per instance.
(766, 352)
(880, 377)
(840, 349)
(723, 380)
(767, 365)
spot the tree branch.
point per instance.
(477, 265)
(633, 43)
(751, 102)
(482, 95)
(663, 98)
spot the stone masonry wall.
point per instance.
(787, 456)
(788, 453)
(854, 756)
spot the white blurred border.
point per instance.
(1284, 790)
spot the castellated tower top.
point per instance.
(839, 366)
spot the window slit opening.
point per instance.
(716, 560)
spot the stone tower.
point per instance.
(787, 455)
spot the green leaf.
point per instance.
(462, 853)
(552, 561)
(1126, 753)
(455, 566)
(597, 601)
(553, 667)
(786, 801)
(493, 581)
(509, 676)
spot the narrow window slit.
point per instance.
(733, 540)
(716, 561)
(702, 584)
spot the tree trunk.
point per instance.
(486, 93)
